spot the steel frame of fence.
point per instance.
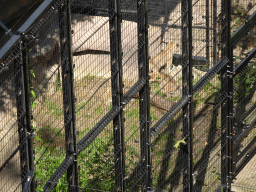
(187, 90)
(144, 98)
(23, 112)
(117, 91)
(224, 67)
(68, 93)
(227, 105)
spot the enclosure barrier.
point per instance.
(119, 95)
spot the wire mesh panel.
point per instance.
(207, 101)
(93, 92)
(47, 98)
(165, 34)
(167, 156)
(240, 12)
(244, 99)
(130, 95)
(10, 170)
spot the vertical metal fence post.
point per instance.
(187, 91)
(227, 105)
(19, 91)
(23, 112)
(28, 112)
(190, 92)
(68, 93)
(117, 91)
(184, 12)
(214, 24)
(230, 157)
(207, 40)
(231, 114)
(224, 109)
(144, 94)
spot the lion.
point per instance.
(162, 60)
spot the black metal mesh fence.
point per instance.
(130, 96)
(244, 121)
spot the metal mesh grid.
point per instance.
(76, 92)
(167, 157)
(240, 11)
(244, 138)
(9, 133)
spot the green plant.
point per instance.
(46, 166)
(52, 108)
(170, 163)
(110, 107)
(159, 93)
(170, 122)
(132, 112)
(84, 81)
(245, 83)
(98, 110)
(96, 168)
(47, 133)
(207, 87)
(58, 84)
(153, 116)
(239, 13)
(134, 130)
(154, 84)
(32, 92)
(174, 98)
(79, 107)
(178, 143)
(97, 171)
(206, 66)
(86, 116)
(200, 151)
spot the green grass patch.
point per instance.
(159, 93)
(155, 85)
(200, 151)
(52, 108)
(134, 113)
(133, 132)
(84, 81)
(99, 110)
(153, 116)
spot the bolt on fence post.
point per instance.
(68, 93)
(187, 90)
(144, 95)
(117, 91)
(227, 104)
